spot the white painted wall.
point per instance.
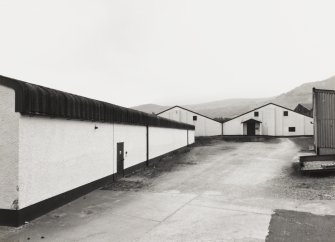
(41, 157)
(59, 155)
(164, 140)
(191, 137)
(135, 143)
(203, 126)
(274, 123)
(9, 155)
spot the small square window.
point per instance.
(195, 118)
(256, 114)
(285, 113)
(291, 129)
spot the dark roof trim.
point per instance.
(323, 90)
(305, 105)
(31, 99)
(188, 111)
(251, 119)
(264, 106)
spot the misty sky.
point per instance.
(131, 52)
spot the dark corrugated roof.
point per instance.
(306, 109)
(306, 105)
(31, 99)
(324, 90)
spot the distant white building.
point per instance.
(271, 120)
(204, 126)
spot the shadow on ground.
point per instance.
(296, 226)
(142, 178)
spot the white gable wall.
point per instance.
(203, 126)
(274, 123)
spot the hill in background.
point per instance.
(229, 108)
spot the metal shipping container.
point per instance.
(324, 121)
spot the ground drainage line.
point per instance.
(235, 210)
(133, 216)
(169, 216)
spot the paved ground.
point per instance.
(218, 191)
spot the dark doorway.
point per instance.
(120, 159)
(251, 128)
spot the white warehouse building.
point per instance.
(270, 120)
(204, 126)
(56, 146)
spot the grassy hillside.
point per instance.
(231, 107)
(150, 108)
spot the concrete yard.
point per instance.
(218, 191)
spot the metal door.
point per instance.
(251, 126)
(120, 159)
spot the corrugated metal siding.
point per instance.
(32, 99)
(324, 118)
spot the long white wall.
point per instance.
(274, 123)
(9, 155)
(42, 157)
(203, 126)
(164, 140)
(59, 155)
(135, 144)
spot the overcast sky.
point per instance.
(131, 52)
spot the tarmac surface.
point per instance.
(217, 191)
